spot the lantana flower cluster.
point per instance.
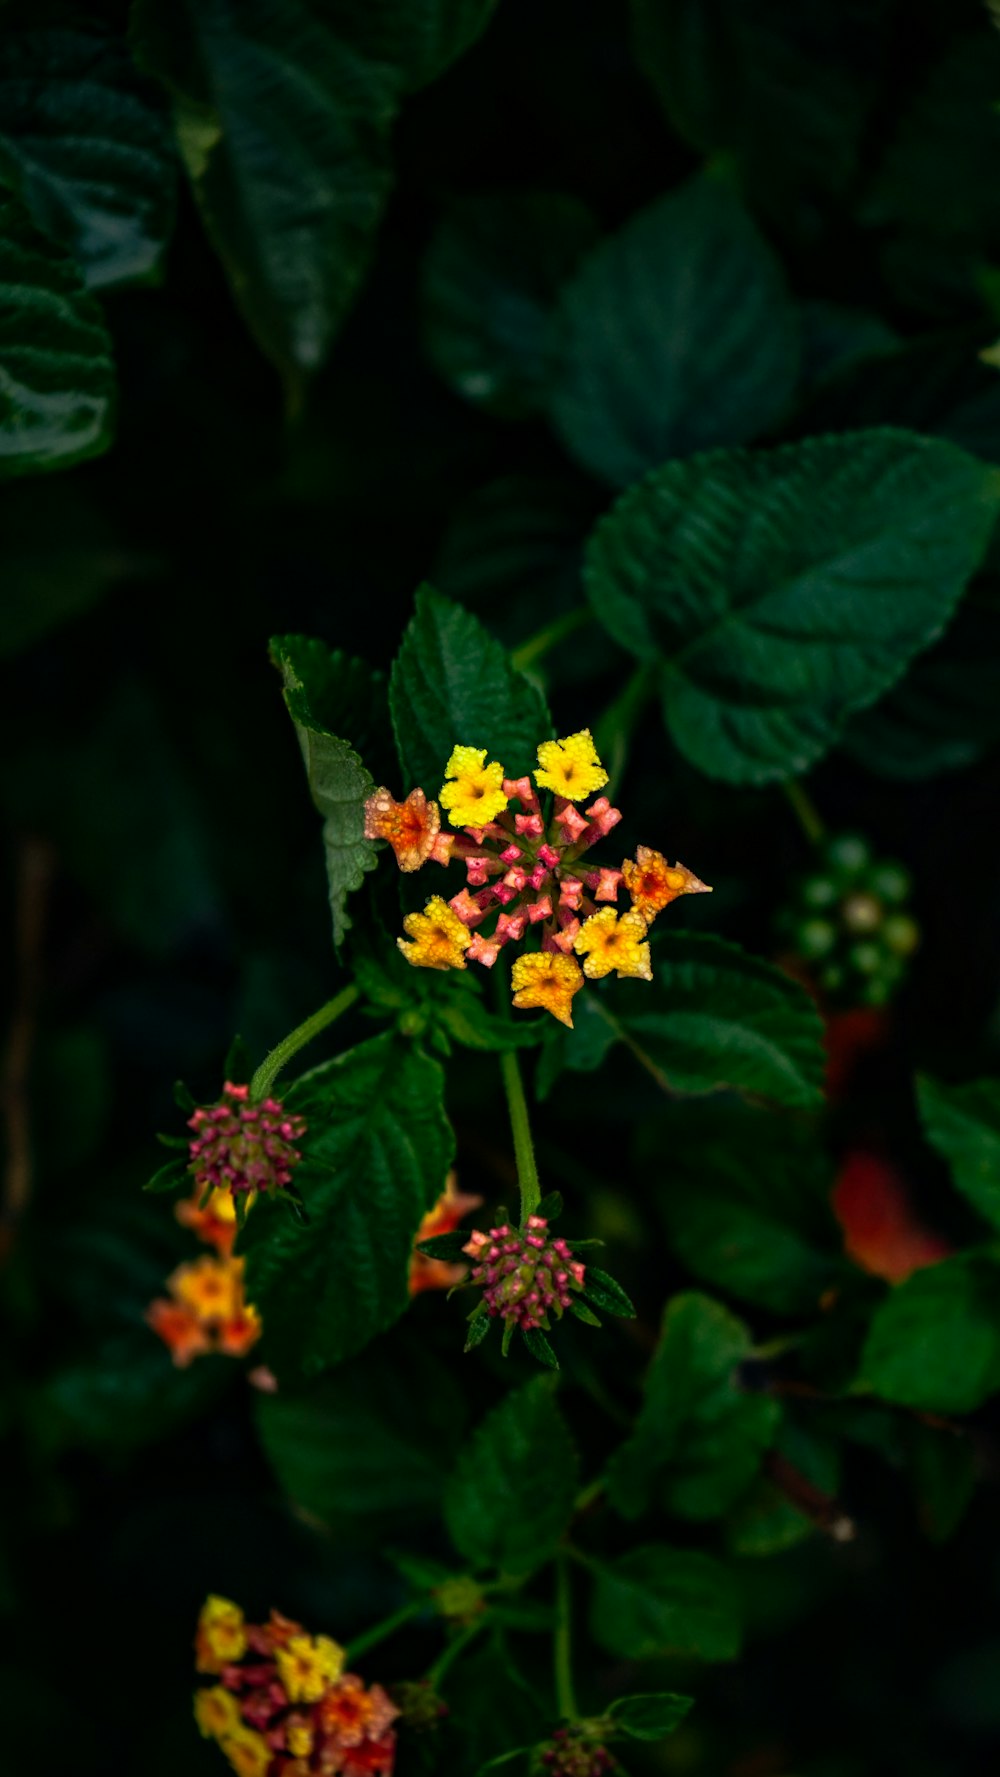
(244, 1147)
(282, 1704)
(527, 870)
(525, 1275)
(206, 1309)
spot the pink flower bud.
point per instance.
(484, 950)
(469, 911)
(548, 855)
(539, 909)
(572, 824)
(529, 825)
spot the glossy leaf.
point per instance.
(512, 1492)
(782, 591)
(650, 1716)
(934, 1344)
(656, 1600)
(376, 1153)
(963, 1124)
(677, 334)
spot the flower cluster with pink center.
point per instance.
(525, 1275)
(572, 1754)
(242, 1147)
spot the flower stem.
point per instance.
(297, 1039)
(614, 729)
(561, 1648)
(456, 1646)
(381, 1631)
(809, 817)
(524, 1151)
(549, 637)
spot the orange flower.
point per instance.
(181, 1330)
(208, 1311)
(450, 1209)
(349, 1714)
(216, 1223)
(653, 883)
(411, 827)
(882, 1233)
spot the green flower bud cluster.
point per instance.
(849, 923)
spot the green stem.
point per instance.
(808, 815)
(297, 1039)
(614, 729)
(524, 1150)
(549, 637)
(586, 1497)
(381, 1631)
(456, 1646)
(562, 1652)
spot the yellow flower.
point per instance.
(248, 1753)
(211, 1288)
(439, 940)
(607, 941)
(308, 1665)
(221, 1636)
(571, 766)
(653, 883)
(299, 1737)
(476, 796)
(216, 1712)
(547, 979)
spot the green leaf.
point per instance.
(698, 1439)
(57, 398)
(540, 1348)
(657, 1600)
(605, 1293)
(369, 1448)
(85, 146)
(452, 684)
(317, 683)
(652, 1715)
(766, 1521)
(963, 1124)
(375, 1156)
(941, 1465)
(168, 1177)
(784, 590)
(511, 1495)
(744, 1195)
(444, 1246)
(714, 1016)
(934, 1343)
(418, 39)
(581, 1049)
(491, 276)
(676, 335)
(929, 179)
(456, 1005)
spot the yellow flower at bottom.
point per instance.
(571, 766)
(439, 940)
(248, 1753)
(547, 979)
(308, 1666)
(476, 795)
(299, 1737)
(607, 941)
(221, 1636)
(216, 1712)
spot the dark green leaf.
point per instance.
(85, 146)
(937, 386)
(582, 1049)
(551, 1206)
(651, 1716)
(453, 685)
(168, 1177)
(963, 1124)
(657, 1600)
(491, 276)
(676, 335)
(57, 400)
(784, 590)
(479, 1326)
(315, 679)
(605, 1293)
(767, 1520)
(941, 1464)
(417, 39)
(456, 1005)
(512, 1492)
(376, 1153)
(540, 1348)
(929, 179)
(699, 1438)
(934, 1343)
(444, 1246)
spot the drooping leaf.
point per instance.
(651, 1716)
(657, 1600)
(934, 1344)
(322, 686)
(699, 1437)
(492, 274)
(963, 1124)
(677, 334)
(58, 386)
(784, 590)
(376, 1153)
(511, 1495)
(451, 685)
(85, 145)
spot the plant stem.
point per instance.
(614, 729)
(544, 639)
(809, 817)
(297, 1039)
(524, 1151)
(561, 1648)
(456, 1646)
(381, 1631)
(586, 1497)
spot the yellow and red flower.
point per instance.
(206, 1311)
(451, 1208)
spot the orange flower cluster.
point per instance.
(206, 1309)
(451, 1208)
(282, 1704)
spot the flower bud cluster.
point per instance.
(242, 1146)
(525, 1274)
(573, 1752)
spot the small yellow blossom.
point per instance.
(438, 939)
(608, 941)
(211, 1288)
(299, 1737)
(547, 979)
(248, 1753)
(653, 883)
(476, 795)
(221, 1636)
(216, 1712)
(571, 766)
(308, 1666)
